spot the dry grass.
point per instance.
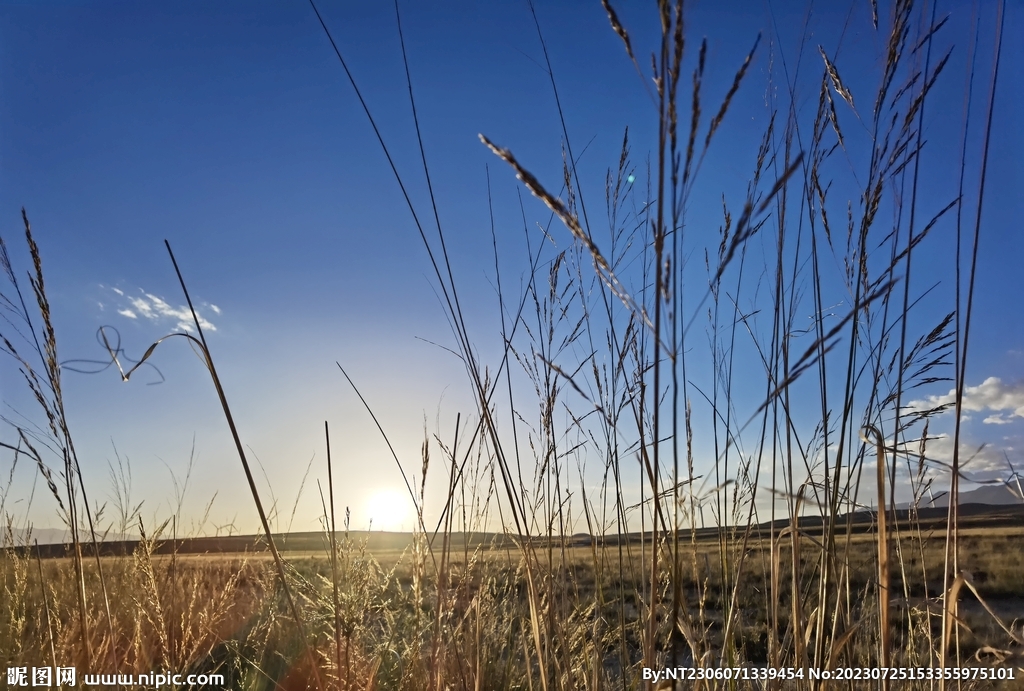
(217, 613)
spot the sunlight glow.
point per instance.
(389, 510)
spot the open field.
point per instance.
(218, 612)
(975, 520)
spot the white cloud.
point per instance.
(143, 307)
(1004, 399)
(989, 462)
(154, 308)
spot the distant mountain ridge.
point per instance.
(1001, 494)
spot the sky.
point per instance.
(230, 130)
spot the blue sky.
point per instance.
(230, 130)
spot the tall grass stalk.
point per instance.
(334, 562)
(48, 392)
(278, 562)
(951, 555)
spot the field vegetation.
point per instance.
(568, 586)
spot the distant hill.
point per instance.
(375, 541)
(989, 506)
(1001, 494)
(55, 536)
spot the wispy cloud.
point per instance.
(1005, 400)
(980, 462)
(154, 308)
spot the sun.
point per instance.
(389, 510)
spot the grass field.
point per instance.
(215, 612)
